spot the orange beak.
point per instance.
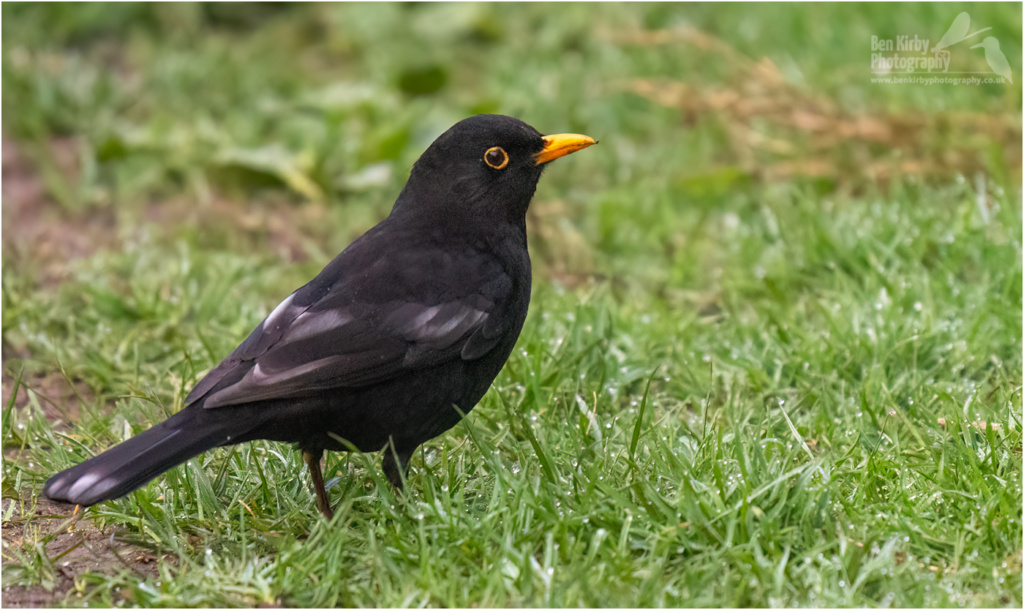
(562, 144)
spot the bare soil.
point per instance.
(59, 397)
(44, 235)
(37, 231)
(72, 546)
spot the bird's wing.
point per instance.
(302, 349)
(258, 342)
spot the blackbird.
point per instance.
(390, 344)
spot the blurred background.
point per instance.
(220, 114)
(811, 281)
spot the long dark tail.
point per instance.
(130, 465)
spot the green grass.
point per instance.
(756, 355)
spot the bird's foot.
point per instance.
(323, 503)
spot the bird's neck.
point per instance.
(459, 207)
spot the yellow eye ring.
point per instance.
(496, 157)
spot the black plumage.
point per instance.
(401, 332)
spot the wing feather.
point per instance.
(327, 336)
(259, 341)
(328, 349)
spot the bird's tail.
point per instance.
(130, 465)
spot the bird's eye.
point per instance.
(496, 157)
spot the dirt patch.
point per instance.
(40, 231)
(45, 550)
(37, 230)
(46, 542)
(270, 223)
(46, 537)
(59, 398)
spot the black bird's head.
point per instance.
(483, 168)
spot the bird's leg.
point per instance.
(313, 463)
(396, 464)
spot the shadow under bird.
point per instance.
(389, 344)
